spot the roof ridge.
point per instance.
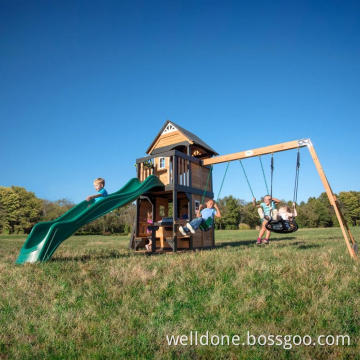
(188, 134)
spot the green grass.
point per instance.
(98, 300)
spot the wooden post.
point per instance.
(175, 209)
(189, 196)
(190, 199)
(153, 238)
(153, 232)
(136, 222)
(137, 216)
(332, 198)
(190, 208)
(213, 228)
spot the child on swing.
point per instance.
(203, 214)
(267, 211)
(287, 215)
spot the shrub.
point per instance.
(230, 227)
(127, 229)
(243, 226)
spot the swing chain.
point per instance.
(247, 179)
(297, 172)
(263, 172)
(272, 172)
(221, 186)
(222, 182)
(206, 185)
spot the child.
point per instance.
(287, 215)
(211, 210)
(268, 210)
(148, 232)
(99, 184)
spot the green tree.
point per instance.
(53, 209)
(249, 215)
(21, 209)
(317, 212)
(118, 221)
(230, 213)
(3, 220)
(350, 205)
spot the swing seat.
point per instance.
(282, 226)
(207, 224)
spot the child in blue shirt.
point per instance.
(99, 184)
(211, 210)
(267, 210)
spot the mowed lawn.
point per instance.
(97, 300)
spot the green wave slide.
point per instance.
(45, 237)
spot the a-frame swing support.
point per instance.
(349, 239)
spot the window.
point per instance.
(197, 205)
(162, 210)
(162, 163)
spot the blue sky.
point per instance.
(85, 86)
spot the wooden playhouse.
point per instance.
(175, 157)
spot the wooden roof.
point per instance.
(182, 135)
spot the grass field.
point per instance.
(97, 300)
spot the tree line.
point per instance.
(315, 212)
(20, 210)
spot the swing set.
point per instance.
(276, 225)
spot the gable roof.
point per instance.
(189, 135)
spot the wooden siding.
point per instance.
(163, 174)
(168, 139)
(145, 206)
(199, 175)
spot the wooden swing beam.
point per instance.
(288, 146)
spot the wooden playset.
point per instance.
(175, 157)
(183, 162)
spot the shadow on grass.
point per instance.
(251, 242)
(309, 246)
(301, 245)
(117, 255)
(88, 257)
